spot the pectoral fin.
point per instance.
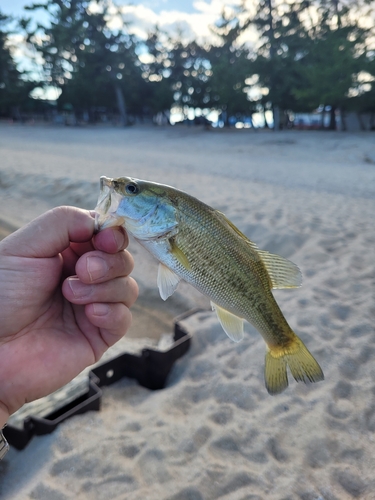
(232, 325)
(167, 281)
(179, 254)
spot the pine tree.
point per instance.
(14, 89)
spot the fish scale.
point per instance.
(234, 291)
(198, 244)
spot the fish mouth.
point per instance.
(106, 208)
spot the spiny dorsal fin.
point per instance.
(232, 324)
(236, 230)
(167, 281)
(282, 272)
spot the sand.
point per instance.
(214, 432)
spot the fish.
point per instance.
(196, 243)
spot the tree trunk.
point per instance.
(225, 118)
(344, 127)
(121, 106)
(372, 121)
(275, 109)
(360, 121)
(332, 118)
(322, 118)
(266, 125)
(276, 118)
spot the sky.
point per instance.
(192, 17)
(192, 12)
(15, 7)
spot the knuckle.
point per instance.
(128, 261)
(134, 290)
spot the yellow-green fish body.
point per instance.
(200, 245)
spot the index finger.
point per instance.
(50, 233)
(110, 240)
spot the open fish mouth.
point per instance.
(107, 206)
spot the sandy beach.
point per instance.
(214, 432)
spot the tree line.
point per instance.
(306, 54)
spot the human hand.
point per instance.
(65, 295)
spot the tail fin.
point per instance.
(301, 363)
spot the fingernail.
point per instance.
(79, 289)
(96, 267)
(100, 309)
(120, 238)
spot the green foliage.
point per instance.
(307, 55)
(311, 54)
(14, 90)
(335, 57)
(284, 42)
(230, 65)
(179, 71)
(91, 63)
(364, 99)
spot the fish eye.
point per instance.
(131, 188)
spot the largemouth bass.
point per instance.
(198, 244)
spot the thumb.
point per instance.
(50, 233)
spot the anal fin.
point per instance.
(232, 324)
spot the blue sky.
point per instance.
(192, 16)
(15, 7)
(159, 5)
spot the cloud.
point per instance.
(191, 26)
(142, 20)
(214, 7)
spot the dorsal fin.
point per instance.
(224, 218)
(282, 272)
